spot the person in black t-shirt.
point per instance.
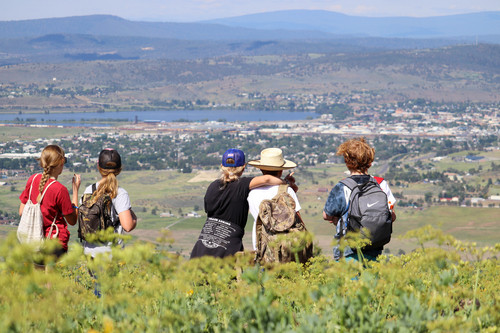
(226, 206)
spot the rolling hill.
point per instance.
(474, 24)
(108, 25)
(281, 25)
(106, 37)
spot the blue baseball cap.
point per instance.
(233, 158)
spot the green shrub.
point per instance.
(144, 288)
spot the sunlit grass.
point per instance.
(445, 285)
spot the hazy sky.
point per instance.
(194, 10)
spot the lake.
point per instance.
(101, 118)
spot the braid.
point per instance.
(45, 177)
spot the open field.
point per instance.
(10, 133)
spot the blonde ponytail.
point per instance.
(108, 184)
(230, 174)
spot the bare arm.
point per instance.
(21, 208)
(128, 220)
(72, 218)
(77, 180)
(265, 180)
(331, 219)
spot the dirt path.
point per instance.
(204, 176)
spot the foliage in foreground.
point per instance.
(145, 288)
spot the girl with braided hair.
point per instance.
(57, 208)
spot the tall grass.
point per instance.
(146, 288)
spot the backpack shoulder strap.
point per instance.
(352, 185)
(43, 194)
(376, 180)
(283, 188)
(349, 182)
(94, 188)
(31, 186)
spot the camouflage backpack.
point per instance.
(281, 233)
(94, 216)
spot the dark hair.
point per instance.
(110, 159)
(275, 173)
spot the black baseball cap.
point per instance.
(109, 159)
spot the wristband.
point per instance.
(75, 207)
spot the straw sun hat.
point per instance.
(271, 159)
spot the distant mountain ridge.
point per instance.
(291, 24)
(474, 24)
(108, 25)
(106, 37)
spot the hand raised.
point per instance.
(290, 180)
(76, 181)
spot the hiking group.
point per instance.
(358, 203)
(46, 208)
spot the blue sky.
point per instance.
(195, 10)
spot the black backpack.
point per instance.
(93, 217)
(368, 209)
